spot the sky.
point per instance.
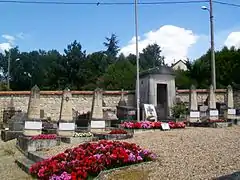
(181, 30)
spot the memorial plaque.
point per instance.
(213, 112)
(165, 126)
(67, 126)
(33, 125)
(231, 111)
(98, 124)
(195, 114)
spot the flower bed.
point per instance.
(89, 159)
(216, 120)
(44, 136)
(118, 131)
(151, 125)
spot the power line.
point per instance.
(115, 3)
(101, 3)
(228, 4)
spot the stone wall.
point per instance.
(51, 101)
(82, 100)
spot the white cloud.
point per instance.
(8, 38)
(233, 39)
(9, 44)
(174, 42)
(5, 46)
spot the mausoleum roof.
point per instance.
(158, 70)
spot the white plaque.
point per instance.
(165, 126)
(231, 111)
(213, 112)
(194, 114)
(98, 124)
(150, 110)
(67, 126)
(34, 125)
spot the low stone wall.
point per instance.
(82, 100)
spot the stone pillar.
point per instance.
(231, 112)
(66, 124)
(122, 101)
(213, 112)
(194, 113)
(33, 123)
(97, 121)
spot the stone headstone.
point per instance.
(66, 123)
(230, 102)
(97, 121)
(213, 112)
(33, 124)
(11, 104)
(231, 112)
(194, 113)
(16, 123)
(122, 101)
(212, 98)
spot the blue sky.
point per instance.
(55, 26)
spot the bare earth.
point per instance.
(191, 153)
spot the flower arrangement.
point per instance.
(217, 120)
(151, 125)
(118, 131)
(88, 134)
(44, 136)
(174, 125)
(89, 159)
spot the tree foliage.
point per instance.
(108, 69)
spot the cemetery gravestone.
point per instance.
(33, 123)
(66, 125)
(97, 121)
(213, 112)
(194, 113)
(231, 112)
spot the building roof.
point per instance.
(158, 70)
(174, 64)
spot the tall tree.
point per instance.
(112, 47)
(74, 62)
(151, 57)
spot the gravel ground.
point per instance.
(191, 153)
(8, 169)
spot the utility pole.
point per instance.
(137, 61)
(8, 76)
(212, 46)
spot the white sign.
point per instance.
(165, 126)
(231, 111)
(194, 114)
(213, 112)
(67, 126)
(35, 125)
(150, 110)
(98, 124)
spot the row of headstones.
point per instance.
(213, 113)
(33, 123)
(66, 124)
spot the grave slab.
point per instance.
(26, 144)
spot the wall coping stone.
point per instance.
(9, 93)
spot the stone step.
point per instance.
(36, 156)
(25, 164)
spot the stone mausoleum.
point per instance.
(157, 87)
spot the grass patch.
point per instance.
(135, 174)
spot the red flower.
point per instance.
(118, 131)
